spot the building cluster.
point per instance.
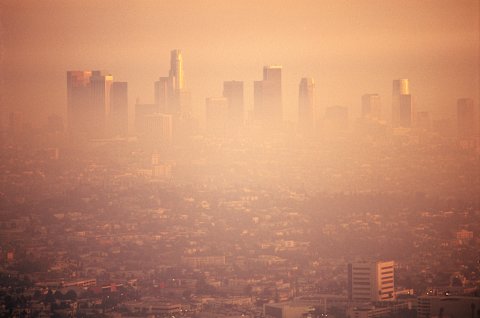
(97, 107)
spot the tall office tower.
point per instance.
(171, 97)
(78, 100)
(371, 107)
(306, 106)
(268, 96)
(164, 93)
(176, 69)
(183, 102)
(233, 92)
(217, 115)
(170, 93)
(406, 111)
(119, 109)
(371, 281)
(88, 102)
(401, 103)
(465, 118)
(101, 86)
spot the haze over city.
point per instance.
(213, 159)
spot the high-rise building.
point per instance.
(465, 118)
(170, 92)
(233, 92)
(119, 109)
(268, 97)
(306, 106)
(88, 102)
(371, 281)
(172, 97)
(176, 69)
(405, 111)
(164, 93)
(217, 115)
(101, 86)
(371, 107)
(401, 104)
(78, 99)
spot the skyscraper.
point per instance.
(371, 107)
(170, 93)
(268, 97)
(233, 92)
(306, 106)
(172, 97)
(401, 104)
(164, 93)
(465, 118)
(405, 111)
(78, 96)
(88, 102)
(371, 281)
(176, 69)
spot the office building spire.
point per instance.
(176, 69)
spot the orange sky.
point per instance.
(349, 47)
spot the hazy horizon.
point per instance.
(349, 48)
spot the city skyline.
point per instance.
(97, 107)
(431, 47)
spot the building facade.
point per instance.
(401, 104)
(371, 281)
(306, 106)
(268, 97)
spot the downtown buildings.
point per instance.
(267, 98)
(169, 117)
(171, 96)
(97, 107)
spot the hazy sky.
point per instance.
(348, 47)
